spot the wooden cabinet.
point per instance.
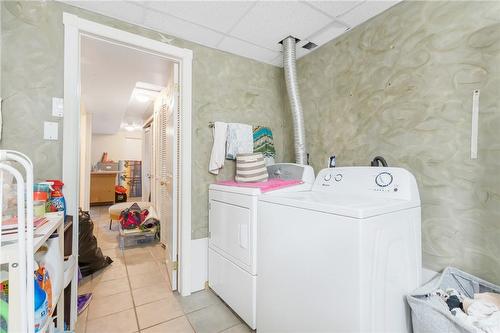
(102, 187)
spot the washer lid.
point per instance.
(359, 207)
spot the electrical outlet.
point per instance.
(57, 107)
(50, 130)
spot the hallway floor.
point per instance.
(134, 295)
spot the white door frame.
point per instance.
(74, 27)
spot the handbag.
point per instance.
(132, 217)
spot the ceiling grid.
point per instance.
(251, 29)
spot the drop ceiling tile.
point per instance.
(327, 34)
(267, 23)
(334, 8)
(121, 10)
(248, 50)
(300, 52)
(366, 11)
(278, 61)
(180, 28)
(217, 15)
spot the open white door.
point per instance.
(85, 158)
(165, 157)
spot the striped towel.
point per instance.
(263, 141)
(250, 168)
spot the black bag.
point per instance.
(90, 257)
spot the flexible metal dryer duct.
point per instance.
(292, 88)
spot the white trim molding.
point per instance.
(199, 272)
(74, 28)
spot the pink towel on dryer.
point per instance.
(270, 185)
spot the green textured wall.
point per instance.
(400, 86)
(225, 87)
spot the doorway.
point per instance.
(180, 173)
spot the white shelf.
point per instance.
(69, 270)
(45, 231)
(41, 234)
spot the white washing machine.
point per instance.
(232, 252)
(341, 257)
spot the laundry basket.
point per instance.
(430, 315)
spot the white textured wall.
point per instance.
(400, 86)
(120, 146)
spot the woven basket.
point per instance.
(251, 168)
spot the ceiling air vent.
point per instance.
(310, 46)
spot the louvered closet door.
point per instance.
(165, 188)
(147, 151)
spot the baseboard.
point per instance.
(199, 266)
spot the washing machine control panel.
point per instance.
(373, 181)
(331, 178)
(384, 179)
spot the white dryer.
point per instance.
(232, 253)
(341, 257)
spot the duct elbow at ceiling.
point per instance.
(292, 87)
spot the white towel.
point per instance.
(239, 140)
(219, 148)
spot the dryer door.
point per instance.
(230, 232)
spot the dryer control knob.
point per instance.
(383, 179)
(328, 177)
(338, 177)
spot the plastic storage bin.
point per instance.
(107, 166)
(429, 315)
(136, 237)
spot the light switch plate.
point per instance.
(57, 107)
(50, 130)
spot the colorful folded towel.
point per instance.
(263, 141)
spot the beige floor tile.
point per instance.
(148, 279)
(157, 312)
(241, 328)
(121, 322)
(100, 307)
(177, 325)
(120, 260)
(111, 287)
(197, 300)
(150, 294)
(116, 270)
(85, 285)
(142, 267)
(81, 321)
(114, 253)
(158, 253)
(139, 258)
(107, 245)
(108, 236)
(134, 251)
(212, 319)
(163, 268)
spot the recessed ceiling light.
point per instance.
(142, 98)
(131, 127)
